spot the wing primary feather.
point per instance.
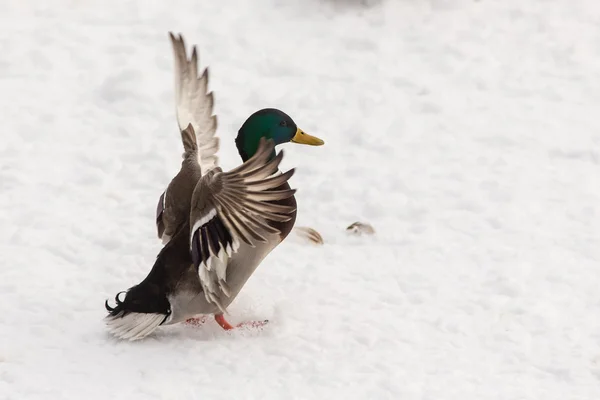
(261, 225)
(263, 207)
(205, 250)
(270, 195)
(213, 237)
(265, 146)
(233, 224)
(267, 183)
(223, 233)
(272, 182)
(193, 71)
(248, 231)
(196, 251)
(247, 212)
(194, 104)
(261, 211)
(264, 170)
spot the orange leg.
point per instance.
(227, 326)
(223, 323)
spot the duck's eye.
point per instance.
(283, 123)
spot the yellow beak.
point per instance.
(304, 138)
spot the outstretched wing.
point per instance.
(194, 104)
(234, 207)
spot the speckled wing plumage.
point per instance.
(234, 207)
(194, 104)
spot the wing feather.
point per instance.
(234, 207)
(194, 104)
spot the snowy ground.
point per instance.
(466, 132)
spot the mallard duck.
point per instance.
(217, 226)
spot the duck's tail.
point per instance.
(143, 309)
(146, 305)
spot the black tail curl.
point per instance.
(146, 298)
(116, 310)
(150, 295)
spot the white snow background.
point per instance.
(466, 132)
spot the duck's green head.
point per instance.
(273, 124)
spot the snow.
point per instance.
(466, 132)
